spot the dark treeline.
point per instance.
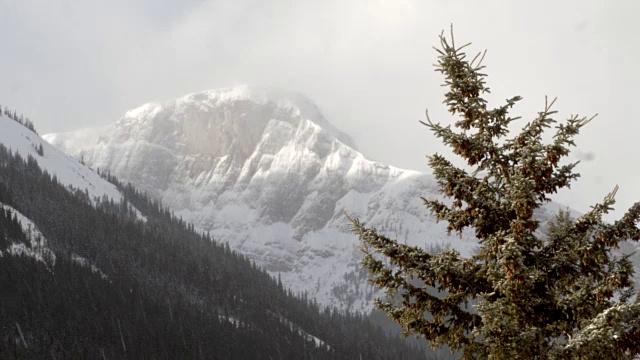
(10, 228)
(13, 115)
(170, 291)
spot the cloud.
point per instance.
(74, 64)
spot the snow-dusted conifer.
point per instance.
(523, 295)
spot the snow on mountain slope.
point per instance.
(68, 171)
(88, 264)
(266, 172)
(37, 247)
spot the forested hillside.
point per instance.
(130, 280)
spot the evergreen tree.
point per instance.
(523, 295)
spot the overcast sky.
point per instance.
(368, 64)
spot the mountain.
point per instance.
(263, 170)
(91, 268)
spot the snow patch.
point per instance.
(297, 328)
(86, 263)
(37, 247)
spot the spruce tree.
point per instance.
(525, 294)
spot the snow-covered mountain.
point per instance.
(264, 171)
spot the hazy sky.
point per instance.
(368, 64)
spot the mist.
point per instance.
(367, 64)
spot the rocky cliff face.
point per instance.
(264, 171)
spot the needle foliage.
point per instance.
(525, 294)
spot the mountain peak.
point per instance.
(264, 170)
(235, 107)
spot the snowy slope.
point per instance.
(266, 172)
(68, 170)
(37, 246)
